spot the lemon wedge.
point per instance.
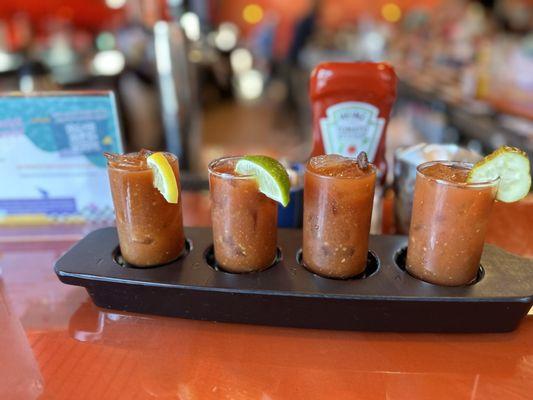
(164, 178)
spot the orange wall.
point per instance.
(85, 13)
(337, 12)
(333, 12)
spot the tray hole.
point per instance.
(400, 258)
(209, 256)
(117, 257)
(372, 266)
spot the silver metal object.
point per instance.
(178, 93)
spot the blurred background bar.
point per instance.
(206, 78)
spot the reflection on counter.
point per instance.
(208, 360)
(21, 377)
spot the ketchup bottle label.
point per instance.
(351, 127)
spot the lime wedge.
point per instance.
(164, 179)
(511, 165)
(271, 176)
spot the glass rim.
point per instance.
(308, 171)
(125, 166)
(420, 172)
(224, 175)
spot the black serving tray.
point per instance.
(385, 298)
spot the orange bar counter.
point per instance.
(68, 348)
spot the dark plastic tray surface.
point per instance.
(384, 298)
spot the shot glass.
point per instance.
(150, 230)
(448, 224)
(244, 220)
(338, 200)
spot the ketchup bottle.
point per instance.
(351, 105)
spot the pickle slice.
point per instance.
(164, 179)
(512, 166)
(272, 178)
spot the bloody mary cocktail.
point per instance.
(244, 219)
(338, 198)
(150, 230)
(448, 223)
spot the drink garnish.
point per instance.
(509, 164)
(271, 176)
(362, 160)
(164, 178)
